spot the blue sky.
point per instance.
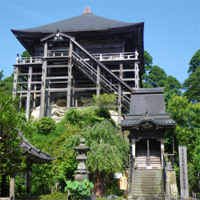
(171, 30)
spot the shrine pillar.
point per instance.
(12, 187)
(133, 147)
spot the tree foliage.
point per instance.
(192, 83)
(187, 132)
(6, 85)
(10, 154)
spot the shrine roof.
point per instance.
(81, 23)
(147, 100)
(32, 153)
(157, 121)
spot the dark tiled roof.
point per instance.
(81, 22)
(148, 90)
(30, 150)
(151, 102)
(157, 121)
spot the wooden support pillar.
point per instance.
(133, 147)
(12, 187)
(69, 75)
(28, 93)
(43, 88)
(98, 81)
(72, 93)
(148, 154)
(119, 103)
(120, 94)
(76, 99)
(20, 96)
(48, 94)
(137, 84)
(34, 97)
(45, 49)
(162, 151)
(15, 82)
(28, 175)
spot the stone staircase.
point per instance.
(148, 185)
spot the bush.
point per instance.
(45, 125)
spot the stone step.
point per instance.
(147, 198)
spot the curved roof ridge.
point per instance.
(80, 22)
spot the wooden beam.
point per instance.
(43, 87)
(57, 77)
(48, 95)
(136, 70)
(98, 81)
(15, 82)
(69, 75)
(28, 93)
(119, 94)
(57, 66)
(84, 89)
(28, 175)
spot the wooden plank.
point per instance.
(48, 95)
(43, 87)
(98, 81)
(22, 82)
(83, 89)
(57, 77)
(34, 74)
(136, 75)
(28, 93)
(23, 74)
(57, 89)
(57, 66)
(69, 74)
(51, 82)
(128, 79)
(15, 82)
(119, 94)
(45, 49)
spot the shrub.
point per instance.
(45, 125)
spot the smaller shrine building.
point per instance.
(146, 123)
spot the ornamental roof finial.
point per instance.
(87, 10)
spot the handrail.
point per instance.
(115, 56)
(24, 60)
(131, 176)
(102, 65)
(165, 174)
(102, 78)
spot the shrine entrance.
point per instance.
(148, 154)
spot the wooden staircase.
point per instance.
(105, 80)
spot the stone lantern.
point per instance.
(81, 173)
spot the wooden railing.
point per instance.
(58, 53)
(65, 53)
(116, 56)
(25, 60)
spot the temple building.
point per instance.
(87, 55)
(76, 58)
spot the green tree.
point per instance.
(11, 159)
(192, 83)
(1, 75)
(107, 155)
(187, 132)
(6, 85)
(25, 54)
(194, 62)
